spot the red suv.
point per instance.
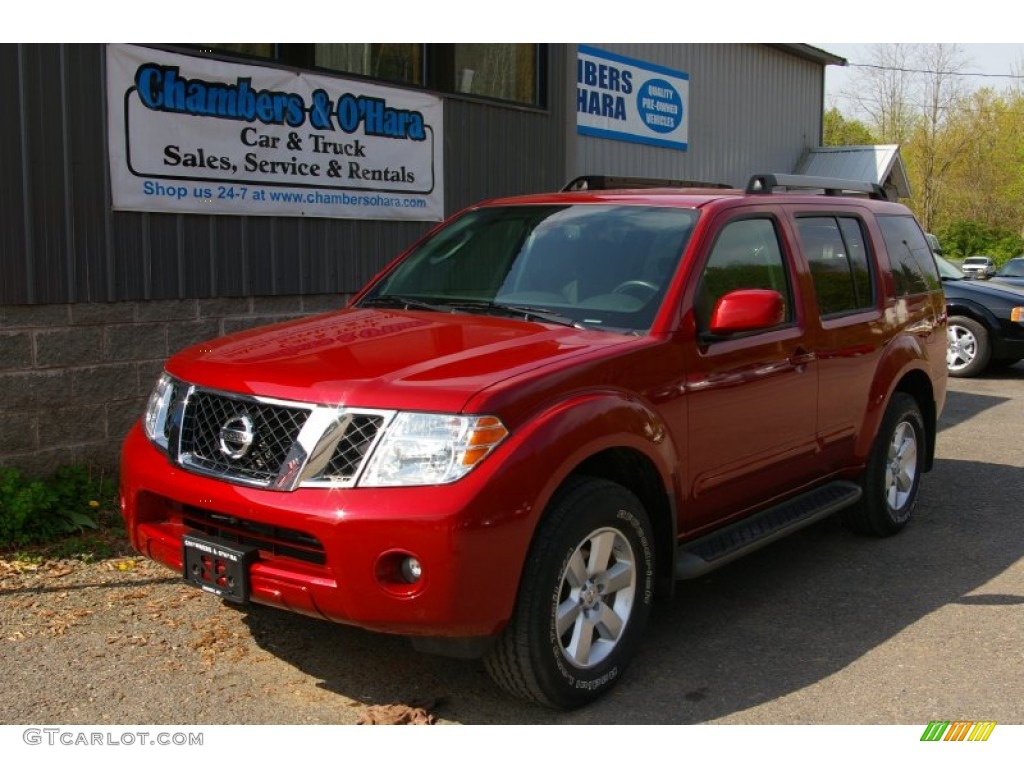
(547, 412)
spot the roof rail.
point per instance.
(581, 183)
(765, 183)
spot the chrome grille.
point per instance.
(272, 430)
(352, 447)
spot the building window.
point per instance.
(254, 50)
(510, 72)
(497, 70)
(398, 62)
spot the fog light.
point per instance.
(411, 570)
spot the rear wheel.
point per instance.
(893, 475)
(968, 349)
(584, 599)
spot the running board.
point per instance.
(697, 557)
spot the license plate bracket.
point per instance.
(218, 567)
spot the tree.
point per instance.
(884, 88)
(985, 183)
(839, 131)
(939, 137)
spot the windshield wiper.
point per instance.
(482, 307)
(405, 302)
(512, 310)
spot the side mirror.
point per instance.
(752, 309)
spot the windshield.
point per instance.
(594, 266)
(1012, 268)
(947, 271)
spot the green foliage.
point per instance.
(972, 238)
(839, 131)
(963, 149)
(33, 511)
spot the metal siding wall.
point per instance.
(87, 193)
(61, 243)
(752, 108)
(14, 267)
(43, 169)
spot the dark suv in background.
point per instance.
(548, 411)
(986, 322)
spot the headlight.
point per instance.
(431, 448)
(155, 419)
(1017, 314)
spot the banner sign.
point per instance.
(629, 100)
(191, 134)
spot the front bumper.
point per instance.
(331, 553)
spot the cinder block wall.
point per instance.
(75, 377)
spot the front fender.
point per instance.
(525, 472)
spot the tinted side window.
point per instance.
(838, 258)
(746, 254)
(913, 268)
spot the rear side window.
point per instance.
(913, 268)
(836, 251)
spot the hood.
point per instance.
(992, 288)
(376, 358)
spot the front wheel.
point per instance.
(968, 349)
(892, 478)
(584, 598)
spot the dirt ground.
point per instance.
(122, 640)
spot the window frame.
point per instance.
(869, 257)
(793, 310)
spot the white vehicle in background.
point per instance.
(978, 267)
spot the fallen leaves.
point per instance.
(120, 564)
(396, 714)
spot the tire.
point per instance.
(968, 349)
(892, 478)
(592, 563)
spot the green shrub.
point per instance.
(971, 238)
(37, 511)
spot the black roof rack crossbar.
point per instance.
(581, 183)
(765, 184)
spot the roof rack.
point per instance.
(765, 184)
(581, 183)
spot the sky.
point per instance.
(992, 62)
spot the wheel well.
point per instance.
(971, 313)
(632, 470)
(918, 386)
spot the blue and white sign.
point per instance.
(191, 134)
(621, 98)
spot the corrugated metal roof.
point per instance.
(877, 163)
(811, 53)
